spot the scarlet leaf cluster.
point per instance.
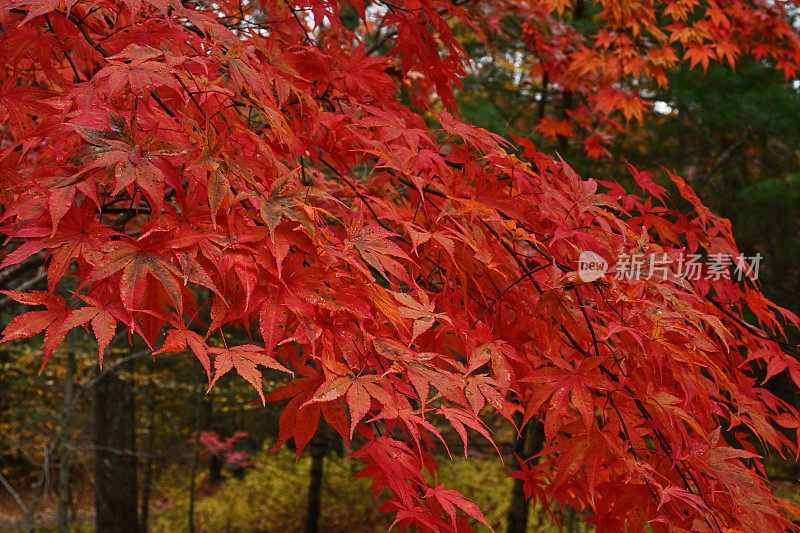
(190, 169)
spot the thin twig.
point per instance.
(525, 275)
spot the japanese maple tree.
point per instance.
(190, 168)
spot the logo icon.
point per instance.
(591, 266)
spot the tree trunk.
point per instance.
(528, 443)
(115, 453)
(202, 416)
(318, 448)
(147, 482)
(215, 470)
(65, 460)
(192, 482)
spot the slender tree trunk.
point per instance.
(571, 520)
(115, 454)
(65, 461)
(192, 477)
(215, 470)
(519, 506)
(528, 443)
(318, 448)
(543, 99)
(147, 481)
(199, 423)
(207, 424)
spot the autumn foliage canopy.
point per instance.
(190, 168)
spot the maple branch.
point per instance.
(525, 275)
(135, 210)
(603, 370)
(187, 24)
(25, 286)
(31, 262)
(425, 188)
(299, 22)
(191, 95)
(75, 74)
(505, 245)
(548, 257)
(81, 28)
(659, 436)
(575, 344)
(361, 196)
(114, 451)
(380, 40)
(13, 493)
(793, 349)
(643, 411)
(128, 213)
(161, 104)
(701, 181)
(610, 397)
